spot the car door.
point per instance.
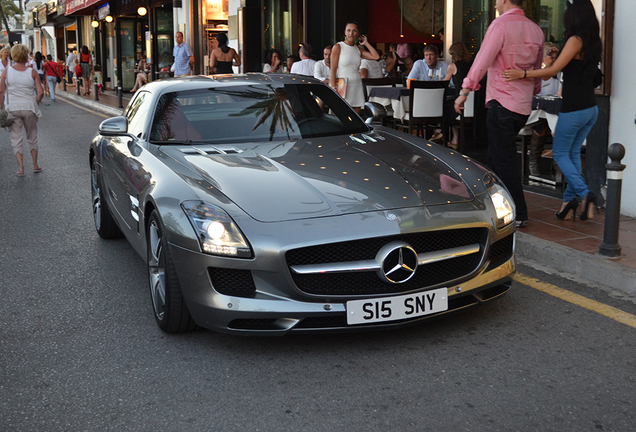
(124, 171)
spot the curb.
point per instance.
(591, 268)
(95, 105)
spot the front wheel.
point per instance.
(170, 310)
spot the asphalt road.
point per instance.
(79, 348)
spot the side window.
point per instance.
(137, 114)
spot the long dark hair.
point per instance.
(38, 59)
(85, 50)
(579, 19)
(222, 40)
(271, 54)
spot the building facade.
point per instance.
(120, 33)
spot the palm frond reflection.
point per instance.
(273, 108)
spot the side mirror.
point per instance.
(374, 113)
(114, 126)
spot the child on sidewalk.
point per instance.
(77, 72)
(99, 80)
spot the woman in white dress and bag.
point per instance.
(19, 82)
(345, 63)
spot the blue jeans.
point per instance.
(503, 126)
(52, 83)
(570, 132)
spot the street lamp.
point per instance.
(94, 23)
(142, 11)
(109, 18)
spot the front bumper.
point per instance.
(272, 311)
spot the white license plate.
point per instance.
(398, 307)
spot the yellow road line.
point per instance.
(568, 296)
(84, 108)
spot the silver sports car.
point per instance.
(264, 204)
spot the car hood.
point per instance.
(323, 177)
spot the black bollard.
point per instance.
(64, 81)
(79, 85)
(96, 90)
(119, 96)
(610, 247)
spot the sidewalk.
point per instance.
(571, 247)
(567, 247)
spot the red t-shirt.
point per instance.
(49, 69)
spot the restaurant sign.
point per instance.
(103, 11)
(76, 5)
(42, 15)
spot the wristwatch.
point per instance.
(461, 93)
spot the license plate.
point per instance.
(397, 308)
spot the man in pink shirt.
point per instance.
(511, 42)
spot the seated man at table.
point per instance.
(549, 87)
(322, 69)
(431, 68)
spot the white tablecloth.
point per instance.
(537, 114)
(399, 107)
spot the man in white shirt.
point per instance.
(306, 64)
(322, 70)
(371, 69)
(70, 65)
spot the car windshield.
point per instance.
(252, 113)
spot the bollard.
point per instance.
(64, 81)
(610, 247)
(119, 96)
(79, 85)
(96, 90)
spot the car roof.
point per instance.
(201, 81)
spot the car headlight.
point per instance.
(216, 231)
(501, 201)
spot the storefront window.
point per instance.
(164, 38)
(283, 26)
(476, 16)
(216, 14)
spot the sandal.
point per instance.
(20, 174)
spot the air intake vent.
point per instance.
(204, 151)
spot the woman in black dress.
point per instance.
(223, 58)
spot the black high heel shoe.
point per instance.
(590, 200)
(571, 205)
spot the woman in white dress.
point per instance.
(345, 63)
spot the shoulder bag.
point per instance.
(6, 118)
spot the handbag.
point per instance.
(6, 118)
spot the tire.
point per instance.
(168, 305)
(104, 221)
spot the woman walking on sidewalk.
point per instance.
(51, 69)
(579, 61)
(86, 62)
(38, 65)
(19, 82)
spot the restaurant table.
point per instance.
(546, 107)
(396, 97)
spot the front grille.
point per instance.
(366, 283)
(232, 282)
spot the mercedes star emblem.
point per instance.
(398, 262)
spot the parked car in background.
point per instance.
(263, 204)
